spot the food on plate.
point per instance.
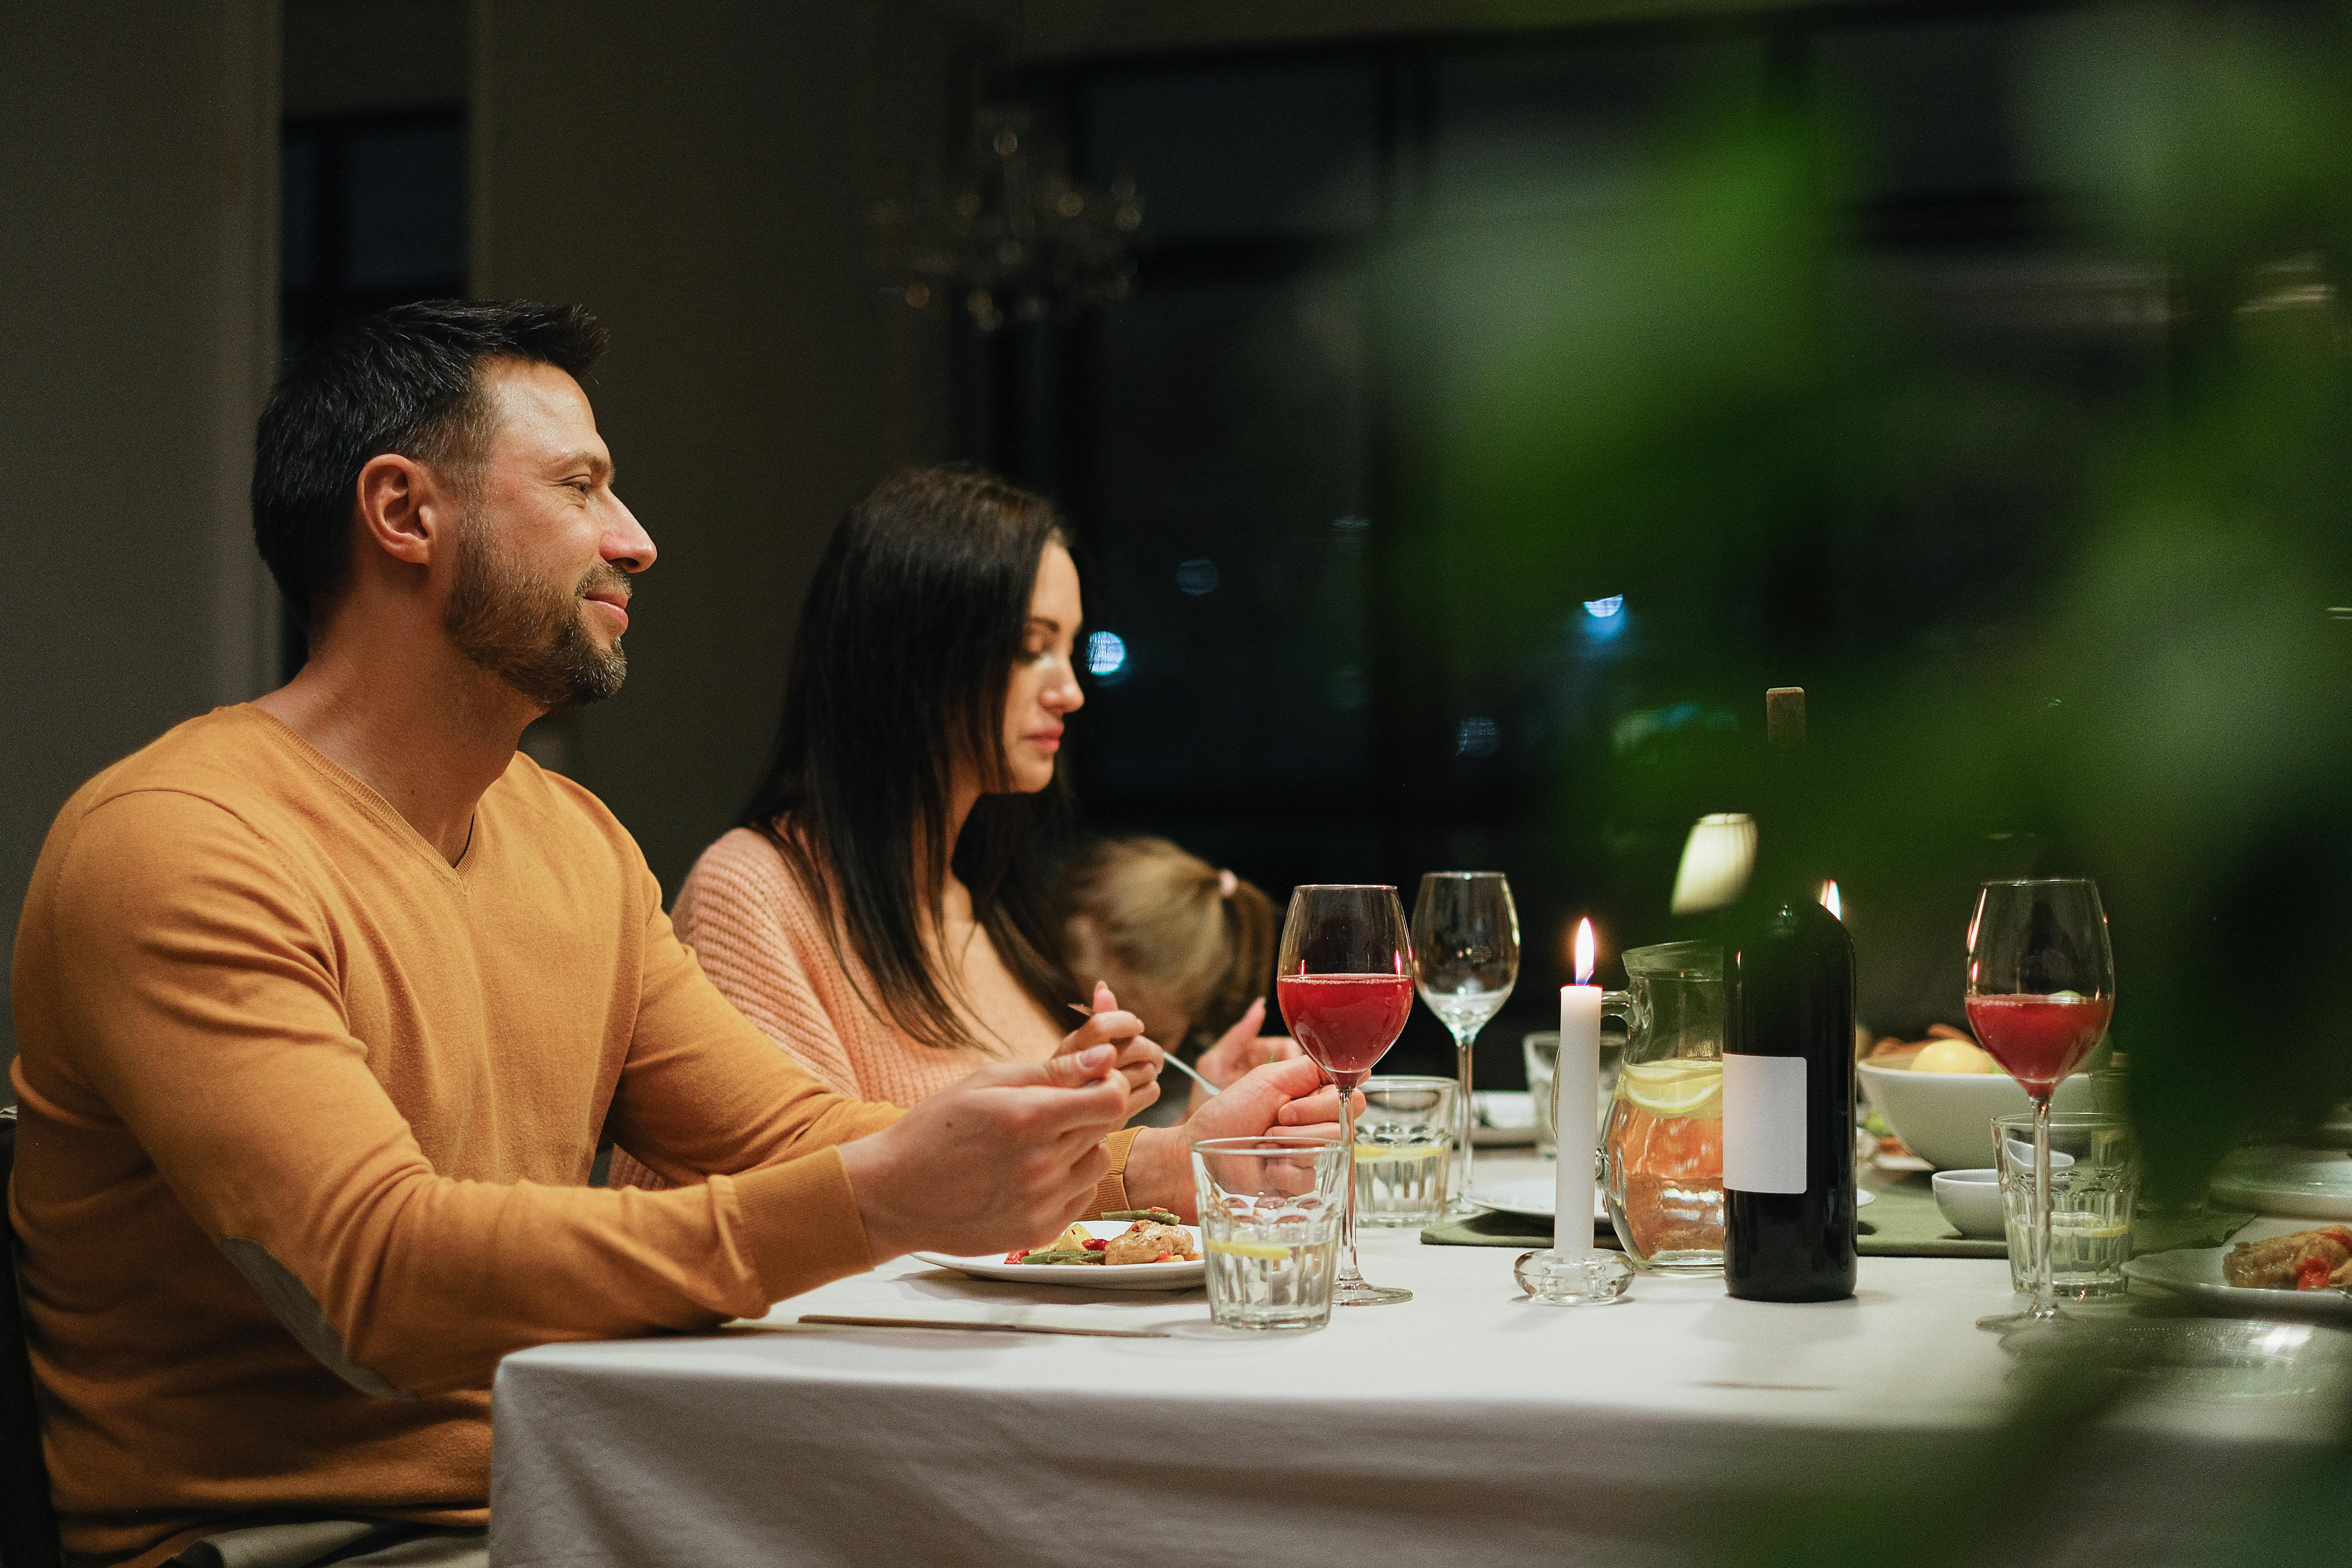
(1953, 1055)
(2302, 1260)
(1147, 1241)
(1156, 1237)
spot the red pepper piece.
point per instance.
(1017, 1257)
(1095, 1243)
(2311, 1274)
(1164, 1258)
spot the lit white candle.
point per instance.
(1576, 1089)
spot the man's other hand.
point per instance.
(1140, 1059)
(1003, 1158)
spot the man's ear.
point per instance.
(404, 508)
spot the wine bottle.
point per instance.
(1788, 1056)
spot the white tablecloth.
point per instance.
(1466, 1427)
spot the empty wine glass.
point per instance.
(2042, 987)
(1345, 982)
(1465, 948)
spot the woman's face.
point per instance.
(1044, 681)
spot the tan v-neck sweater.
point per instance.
(307, 1121)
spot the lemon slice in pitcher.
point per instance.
(1676, 1087)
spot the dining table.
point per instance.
(1467, 1426)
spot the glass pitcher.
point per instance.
(1662, 1150)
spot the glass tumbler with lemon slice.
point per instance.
(1662, 1151)
(1404, 1146)
(1271, 1209)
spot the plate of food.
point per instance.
(2303, 1272)
(1130, 1250)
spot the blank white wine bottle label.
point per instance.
(1763, 1123)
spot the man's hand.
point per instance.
(1003, 1159)
(1138, 1058)
(1289, 1097)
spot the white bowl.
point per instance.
(1946, 1118)
(1970, 1200)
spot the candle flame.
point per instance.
(1830, 900)
(1584, 952)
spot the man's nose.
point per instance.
(626, 544)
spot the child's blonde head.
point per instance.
(1198, 940)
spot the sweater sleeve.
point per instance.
(198, 982)
(703, 1092)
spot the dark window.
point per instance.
(372, 214)
(375, 214)
(1274, 449)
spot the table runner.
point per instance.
(1902, 1221)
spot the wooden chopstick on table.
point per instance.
(1172, 1060)
(982, 1327)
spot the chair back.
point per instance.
(28, 1527)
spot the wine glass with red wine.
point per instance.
(1345, 982)
(2042, 987)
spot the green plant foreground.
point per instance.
(1673, 385)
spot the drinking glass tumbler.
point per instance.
(1404, 1149)
(1271, 1210)
(2093, 1186)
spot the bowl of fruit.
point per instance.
(1939, 1096)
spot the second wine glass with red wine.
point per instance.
(1345, 982)
(2042, 987)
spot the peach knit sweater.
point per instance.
(763, 943)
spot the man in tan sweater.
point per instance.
(325, 1001)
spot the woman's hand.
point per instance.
(1242, 1049)
(1286, 1097)
(1138, 1058)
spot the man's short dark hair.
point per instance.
(406, 381)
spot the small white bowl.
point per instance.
(1946, 1118)
(1970, 1200)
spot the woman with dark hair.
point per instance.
(880, 912)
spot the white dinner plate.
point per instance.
(1534, 1198)
(2308, 1183)
(2196, 1272)
(1085, 1276)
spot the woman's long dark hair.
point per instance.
(899, 670)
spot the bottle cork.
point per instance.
(1784, 716)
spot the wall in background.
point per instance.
(137, 331)
(704, 189)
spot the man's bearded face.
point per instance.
(529, 631)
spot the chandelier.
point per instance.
(1011, 238)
